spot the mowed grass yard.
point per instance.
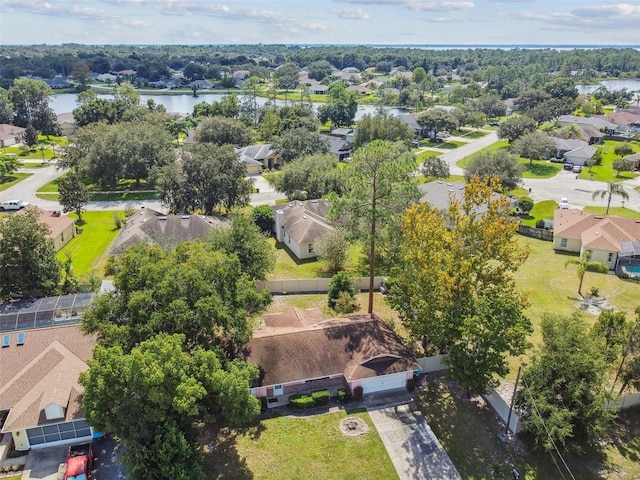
(11, 180)
(605, 172)
(468, 431)
(297, 448)
(88, 249)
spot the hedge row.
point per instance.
(310, 400)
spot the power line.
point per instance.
(548, 435)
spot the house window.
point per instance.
(610, 257)
(563, 243)
(272, 400)
(311, 248)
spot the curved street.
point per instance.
(564, 184)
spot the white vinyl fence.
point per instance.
(312, 285)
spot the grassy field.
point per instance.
(540, 210)
(468, 431)
(88, 250)
(125, 190)
(618, 211)
(297, 448)
(425, 155)
(471, 134)
(537, 169)
(11, 180)
(605, 171)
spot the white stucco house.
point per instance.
(611, 240)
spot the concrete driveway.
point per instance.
(412, 446)
(46, 464)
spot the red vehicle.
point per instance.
(79, 462)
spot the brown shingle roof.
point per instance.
(44, 370)
(358, 346)
(156, 228)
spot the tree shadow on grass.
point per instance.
(222, 461)
(292, 256)
(540, 169)
(470, 432)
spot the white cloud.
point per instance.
(417, 5)
(602, 17)
(350, 13)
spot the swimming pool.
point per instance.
(632, 270)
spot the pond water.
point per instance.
(630, 84)
(184, 103)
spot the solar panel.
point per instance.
(6, 340)
(21, 336)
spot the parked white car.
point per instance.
(13, 205)
(564, 203)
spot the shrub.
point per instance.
(129, 211)
(301, 401)
(540, 223)
(525, 204)
(321, 397)
(597, 267)
(594, 292)
(340, 282)
(118, 221)
(357, 393)
(344, 394)
(411, 384)
(346, 303)
(262, 216)
(15, 468)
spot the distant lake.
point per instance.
(630, 84)
(184, 103)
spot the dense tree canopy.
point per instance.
(195, 290)
(534, 146)
(310, 177)
(516, 126)
(500, 164)
(341, 106)
(223, 131)
(299, 142)
(454, 286)
(28, 263)
(563, 398)
(150, 397)
(73, 194)
(209, 177)
(382, 127)
(437, 119)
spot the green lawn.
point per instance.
(298, 448)
(468, 431)
(11, 180)
(618, 211)
(125, 190)
(88, 250)
(425, 155)
(605, 171)
(541, 210)
(471, 134)
(447, 145)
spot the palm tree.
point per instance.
(613, 188)
(583, 265)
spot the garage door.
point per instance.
(385, 382)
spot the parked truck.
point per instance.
(10, 205)
(79, 462)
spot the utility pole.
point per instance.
(513, 399)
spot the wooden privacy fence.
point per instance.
(539, 233)
(312, 285)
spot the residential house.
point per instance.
(597, 123)
(300, 351)
(61, 227)
(154, 227)
(440, 194)
(635, 158)
(67, 124)
(10, 135)
(318, 89)
(107, 77)
(411, 121)
(39, 386)
(201, 84)
(577, 152)
(298, 224)
(240, 75)
(612, 240)
(257, 157)
(340, 142)
(362, 89)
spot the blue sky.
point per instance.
(320, 21)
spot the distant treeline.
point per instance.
(501, 66)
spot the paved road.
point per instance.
(564, 184)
